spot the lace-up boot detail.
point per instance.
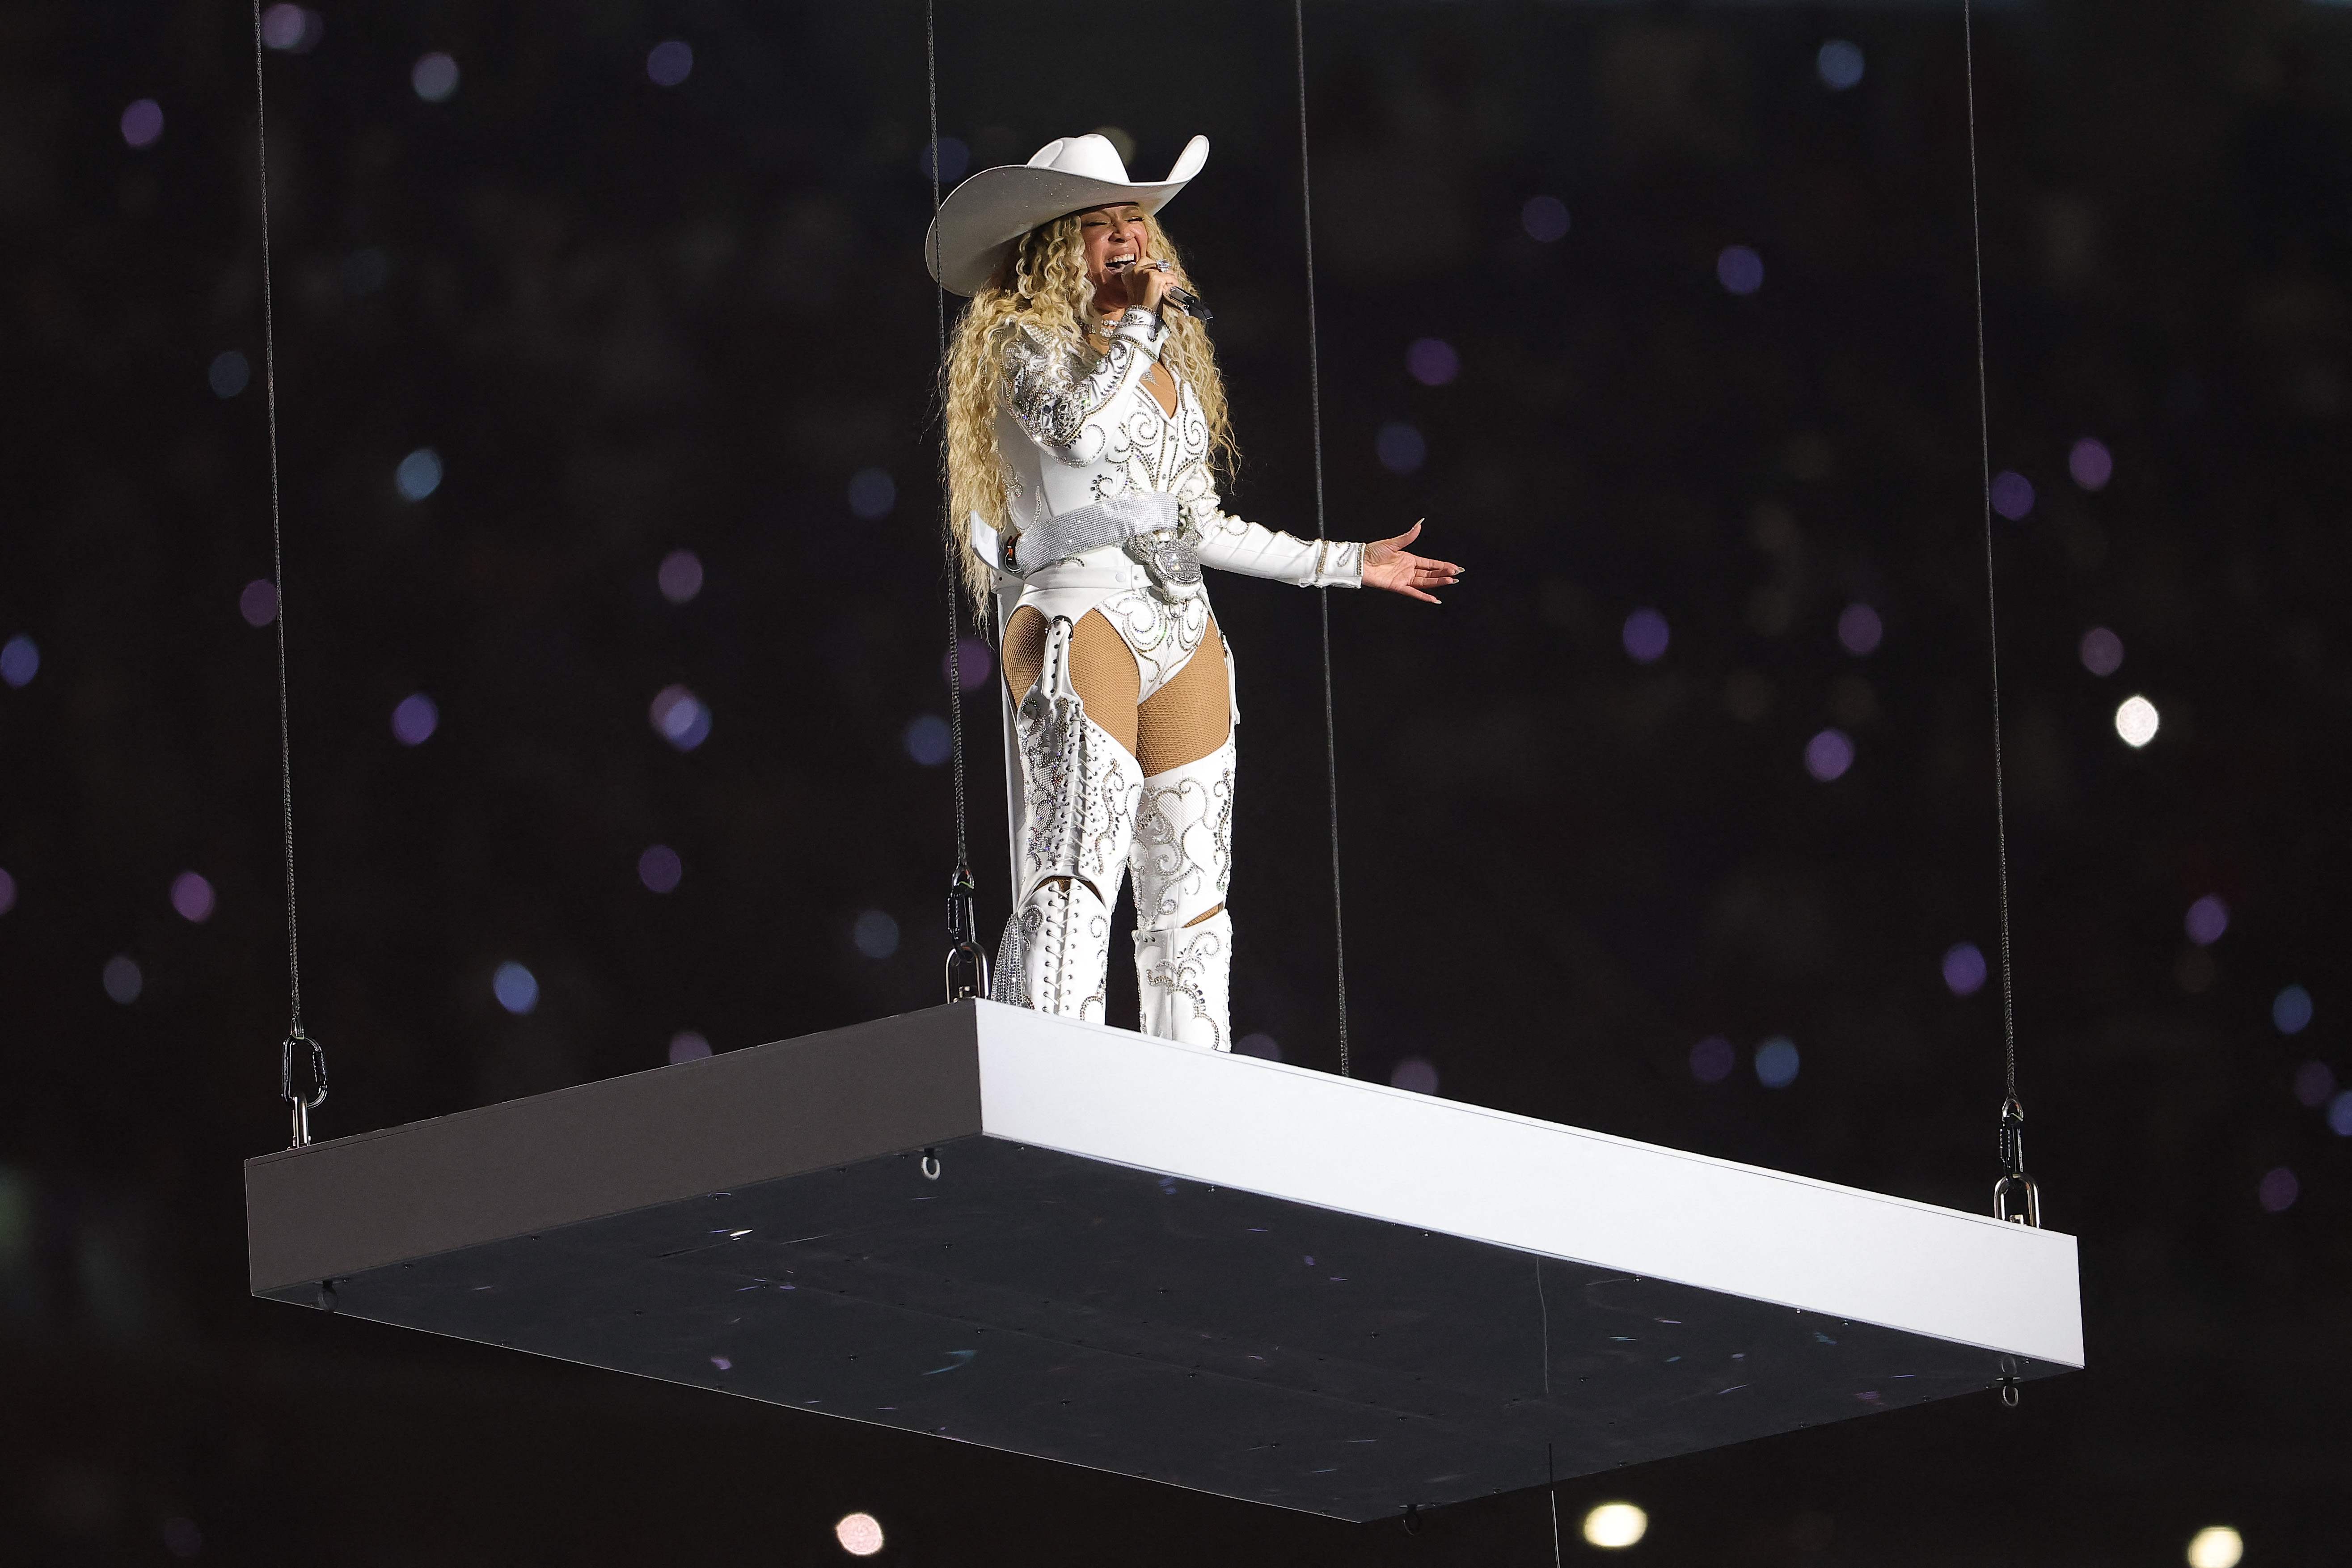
(1183, 862)
(1078, 821)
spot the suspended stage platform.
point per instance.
(1219, 1272)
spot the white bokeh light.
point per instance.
(860, 1534)
(2216, 1546)
(2137, 721)
(1615, 1524)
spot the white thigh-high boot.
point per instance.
(1183, 863)
(1078, 788)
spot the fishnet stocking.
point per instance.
(1191, 716)
(1101, 667)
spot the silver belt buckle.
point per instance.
(1171, 555)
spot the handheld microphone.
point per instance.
(1183, 300)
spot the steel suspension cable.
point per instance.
(967, 968)
(2012, 1113)
(302, 1102)
(1322, 596)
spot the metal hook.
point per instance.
(2015, 1198)
(930, 1166)
(303, 1104)
(2009, 1391)
(1412, 1519)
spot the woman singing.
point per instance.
(1085, 426)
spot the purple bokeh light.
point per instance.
(688, 1046)
(1545, 218)
(1965, 969)
(974, 663)
(1266, 1047)
(2339, 1114)
(1646, 636)
(192, 898)
(871, 493)
(2090, 463)
(1829, 755)
(257, 602)
(2278, 1190)
(2315, 1084)
(143, 122)
(2013, 494)
(928, 739)
(1740, 270)
(680, 717)
(1417, 1074)
(954, 158)
(2206, 918)
(680, 575)
(2291, 1010)
(414, 720)
(433, 78)
(1431, 362)
(1712, 1059)
(294, 29)
(122, 980)
(20, 660)
(670, 62)
(7, 892)
(1777, 1062)
(660, 869)
(2102, 651)
(1860, 630)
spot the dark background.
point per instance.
(631, 319)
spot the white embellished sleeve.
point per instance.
(1054, 389)
(1230, 544)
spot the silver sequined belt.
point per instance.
(1117, 521)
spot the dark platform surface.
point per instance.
(1054, 1305)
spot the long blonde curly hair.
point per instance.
(1042, 284)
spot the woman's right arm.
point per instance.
(1053, 391)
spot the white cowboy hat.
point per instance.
(981, 218)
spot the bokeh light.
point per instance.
(2102, 651)
(1829, 755)
(875, 934)
(192, 898)
(228, 375)
(1266, 1047)
(2090, 463)
(1740, 270)
(2277, 1191)
(2137, 721)
(871, 493)
(2206, 918)
(414, 719)
(435, 76)
(7, 892)
(294, 29)
(680, 718)
(1965, 970)
(975, 663)
(2315, 1084)
(143, 122)
(516, 988)
(928, 739)
(20, 660)
(1777, 1062)
(1645, 635)
(860, 1534)
(1399, 448)
(1431, 362)
(1615, 1525)
(121, 979)
(181, 1537)
(2013, 494)
(2339, 1114)
(660, 869)
(669, 62)
(2215, 1546)
(257, 602)
(1415, 1073)
(419, 475)
(954, 158)
(688, 1046)
(1545, 218)
(1839, 65)
(680, 575)
(1860, 630)
(1712, 1059)
(2291, 1010)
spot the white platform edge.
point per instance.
(1437, 1165)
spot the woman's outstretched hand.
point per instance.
(1389, 565)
